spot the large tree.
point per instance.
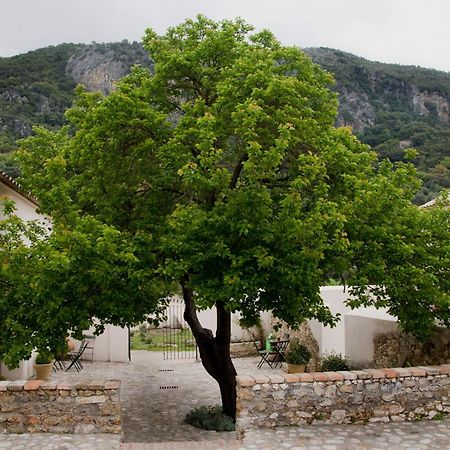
(223, 174)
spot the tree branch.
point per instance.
(237, 171)
(190, 312)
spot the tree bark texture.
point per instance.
(214, 350)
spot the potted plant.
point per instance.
(43, 365)
(297, 356)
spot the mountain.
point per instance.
(389, 107)
(393, 107)
(37, 87)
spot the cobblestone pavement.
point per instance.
(392, 436)
(156, 395)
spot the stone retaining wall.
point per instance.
(28, 406)
(370, 395)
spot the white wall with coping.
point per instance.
(359, 336)
(352, 336)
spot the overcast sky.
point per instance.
(415, 32)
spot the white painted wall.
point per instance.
(110, 346)
(359, 334)
(23, 372)
(25, 209)
(353, 335)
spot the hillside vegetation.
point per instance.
(393, 107)
(389, 107)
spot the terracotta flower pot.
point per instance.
(43, 371)
(296, 368)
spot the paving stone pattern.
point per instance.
(410, 436)
(153, 417)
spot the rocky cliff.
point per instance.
(99, 66)
(368, 89)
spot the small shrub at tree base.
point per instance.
(334, 362)
(209, 418)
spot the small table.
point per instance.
(279, 351)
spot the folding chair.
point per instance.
(265, 356)
(75, 357)
(59, 364)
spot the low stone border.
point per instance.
(87, 406)
(370, 395)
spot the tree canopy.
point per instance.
(222, 175)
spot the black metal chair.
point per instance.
(59, 363)
(75, 357)
(266, 356)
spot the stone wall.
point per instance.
(243, 349)
(403, 349)
(28, 406)
(370, 395)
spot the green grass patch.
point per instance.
(440, 416)
(152, 339)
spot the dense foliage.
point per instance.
(221, 175)
(51, 284)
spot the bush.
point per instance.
(209, 418)
(297, 353)
(334, 362)
(44, 357)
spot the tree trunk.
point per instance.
(214, 350)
